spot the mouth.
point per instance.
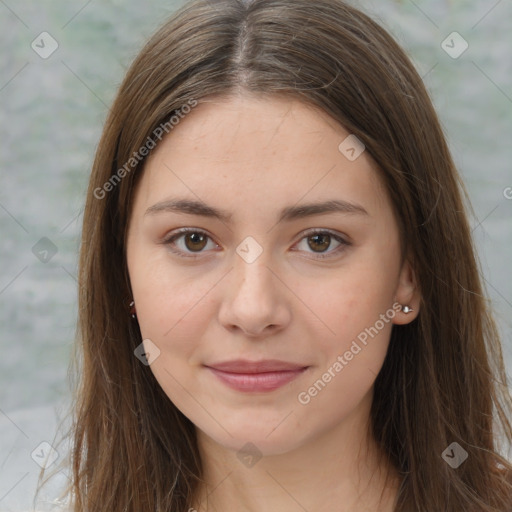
(256, 376)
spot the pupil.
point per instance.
(197, 241)
(323, 240)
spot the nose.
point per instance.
(255, 300)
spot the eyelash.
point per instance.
(170, 240)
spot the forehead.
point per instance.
(250, 153)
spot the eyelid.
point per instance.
(318, 231)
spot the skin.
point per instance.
(252, 157)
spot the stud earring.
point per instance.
(407, 309)
(133, 312)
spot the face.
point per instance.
(266, 271)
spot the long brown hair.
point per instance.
(443, 379)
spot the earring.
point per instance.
(407, 309)
(133, 312)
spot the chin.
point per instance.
(259, 445)
(255, 436)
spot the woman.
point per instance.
(280, 306)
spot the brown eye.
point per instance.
(319, 243)
(191, 243)
(195, 241)
(322, 243)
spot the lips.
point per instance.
(245, 366)
(256, 376)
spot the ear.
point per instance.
(407, 293)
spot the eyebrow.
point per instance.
(193, 207)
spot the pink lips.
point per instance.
(256, 376)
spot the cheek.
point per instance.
(172, 307)
(174, 318)
(353, 299)
(355, 346)
(351, 358)
(355, 307)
